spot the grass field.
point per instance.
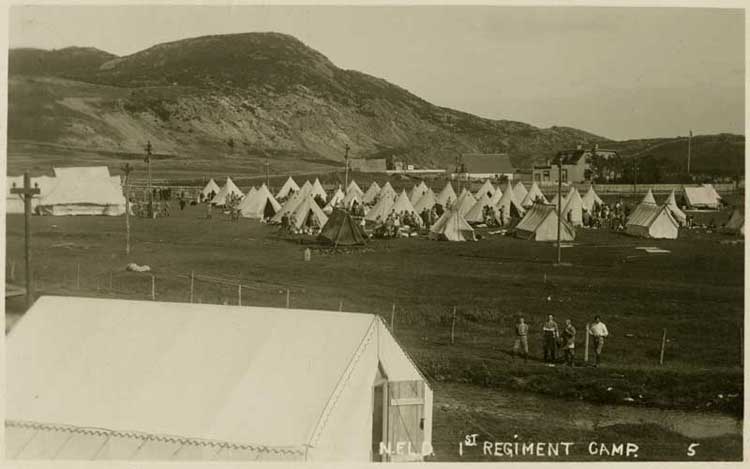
(695, 292)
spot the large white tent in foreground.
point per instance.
(103, 379)
(82, 191)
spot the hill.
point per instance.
(246, 96)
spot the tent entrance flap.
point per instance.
(405, 431)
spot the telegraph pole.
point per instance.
(27, 192)
(150, 191)
(559, 206)
(690, 144)
(346, 167)
(268, 177)
(126, 168)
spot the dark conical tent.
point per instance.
(342, 230)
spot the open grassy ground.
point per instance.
(695, 292)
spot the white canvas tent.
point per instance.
(403, 205)
(318, 191)
(336, 200)
(387, 192)
(532, 196)
(486, 189)
(736, 223)
(701, 197)
(451, 226)
(652, 221)
(540, 224)
(292, 202)
(381, 210)
(211, 188)
(476, 212)
(675, 210)
(520, 191)
(83, 191)
(146, 380)
(496, 196)
(417, 192)
(354, 187)
(351, 197)
(465, 202)
(572, 211)
(307, 212)
(372, 193)
(649, 198)
(426, 202)
(508, 207)
(447, 196)
(288, 187)
(590, 199)
(229, 189)
(260, 204)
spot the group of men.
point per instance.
(554, 339)
(603, 216)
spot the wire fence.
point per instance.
(453, 326)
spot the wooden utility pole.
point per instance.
(126, 169)
(690, 145)
(150, 190)
(27, 192)
(663, 343)
(453, 325)
(559, 206)
(268, 176)
(346, 167)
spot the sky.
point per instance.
(617, 72)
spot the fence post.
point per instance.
(393, 316)
(663, 343)
(78, 276)
(13, 270)
(110, 280)
(192, 285)
(341, 305)
(586, 348)
(239, 294)
(287, 298)
(153, 287)
(453, 326)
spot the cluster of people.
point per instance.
(603, 216)
(308, 227)
(557, 341)
(400, 224)
(151, 209)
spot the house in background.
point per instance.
(576, 165)
(486, 166)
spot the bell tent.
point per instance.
(228, 191)
(447, 196)
(675, 210)
(476, 213)
(532, 196)
(372, 193)
(210, 191)
(591, 199)
(342, 230)
(426, 202)
(520, 191)
(259, 205)
(487, 189)
(451, 226)
(288, 187)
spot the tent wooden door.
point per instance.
(405, 435)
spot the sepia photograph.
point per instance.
(374, 233)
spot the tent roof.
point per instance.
(308, 207)
(427, 201)
(700, 197)
(465, 201)
(353, 186)
(417, 192)
(342, 229)
(648, 198)
(476, 212)
(590, 198)
(254, 203)
(228, 188)
(645, 214)
(452, 227)
(446, 193)
(372, 193)
(537, 215)
(532, 195)
(87, 185)
(211, 186)
(382, 209)
(486, 188)
(190, 370)
(289, 185)
(520, 191)
(317, 190)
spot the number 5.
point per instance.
(691, 450)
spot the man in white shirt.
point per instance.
(599, 331)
